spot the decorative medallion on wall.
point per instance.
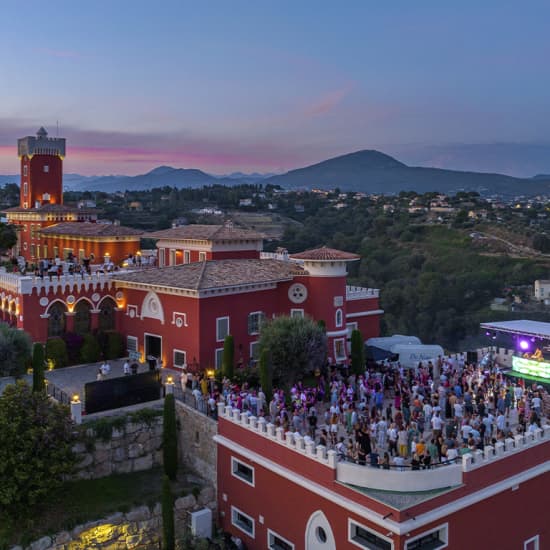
(71, 299)
(44, 301)
(297, 293)
(119, 295)
(95, 297)
(152, 307)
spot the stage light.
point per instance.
(524, 345)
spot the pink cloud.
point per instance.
(326, 103)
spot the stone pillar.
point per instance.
(169, 386)
(488, 452)
(94, 319)
(332, 460)
(69, 321)
(76, 410)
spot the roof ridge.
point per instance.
(201, 275)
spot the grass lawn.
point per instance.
(87, 500)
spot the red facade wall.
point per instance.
(502, 521)
(185, 338)
(118, 250)
(40, 182)
(31, 311)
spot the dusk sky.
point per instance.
(269, 86)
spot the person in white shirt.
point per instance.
(126, 368)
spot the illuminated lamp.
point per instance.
(524, 345)
(169, 380)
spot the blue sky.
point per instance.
(270, 86)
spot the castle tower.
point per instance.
(41, 169)
(326, 280)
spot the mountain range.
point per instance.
(367, 171)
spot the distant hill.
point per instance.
(375, 172)
(9, 179)
(158, 177)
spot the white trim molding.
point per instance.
(364, 313)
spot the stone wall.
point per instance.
(134, 447)
(140, 528)
(196, 445)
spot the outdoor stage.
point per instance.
(530, 341)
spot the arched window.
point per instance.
(107, 314)
(56, 320)
(339, 318)
(82, 318)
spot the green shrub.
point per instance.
(170, 438)
(73, 342)
(90, 351)
(38, 368)
(56, 352)
(115, 345)
(168, 534)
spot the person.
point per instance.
(99, 375)
(183, 379)
(105, 368)
(385, 462)
(134, 368)
(399, 462)
(126, 368)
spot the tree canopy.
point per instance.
(296, 346)
(36, 441)
(15, 351)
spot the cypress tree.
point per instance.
(357, 353)
(38, 384)
(168, 536)
(228, 355)
(170, 438)
(266, 378)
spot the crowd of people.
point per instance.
(391, 417)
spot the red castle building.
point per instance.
(278, 490)
(211, 281)
(46, 227)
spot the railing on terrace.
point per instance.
(25, 284)
(401, 479)
(185, 396)
(360, 292)
(57, 393)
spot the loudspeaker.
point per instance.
(471, 357)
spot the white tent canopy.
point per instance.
(387, 342)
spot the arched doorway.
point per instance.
(107, 314)
(56, 319)
(319, 534)
(82, 317)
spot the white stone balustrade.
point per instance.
(360, 292)
(365, 476)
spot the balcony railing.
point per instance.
(360, 292)
(399, 479)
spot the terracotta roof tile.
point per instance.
(325, 254)
(206, 233)
(88, 229)
(215, 274)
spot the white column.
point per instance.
(76, 410)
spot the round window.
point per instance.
(321, 535)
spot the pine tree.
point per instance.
(38, 383)
(357, 353)
(228, 356)
(170, 438)
(168, 536)
(266, 379)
